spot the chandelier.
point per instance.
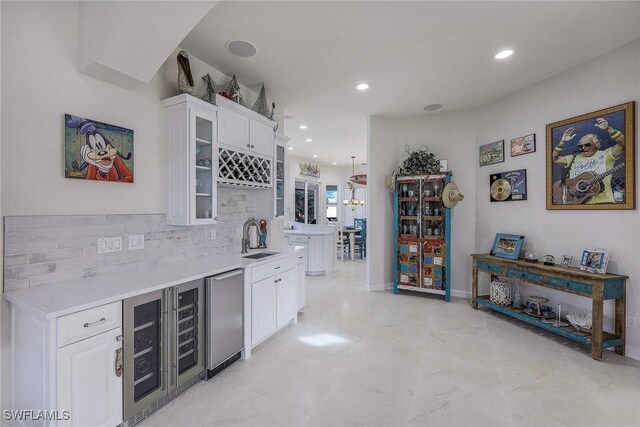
(353, 202)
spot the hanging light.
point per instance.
(353, 202)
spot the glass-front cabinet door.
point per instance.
(409, 233)
(188, 306)
(433, 233)
(204, 166)
(280, 168)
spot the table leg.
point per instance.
(352, 245)
(620, 315)
(474, 286)
(596, 323)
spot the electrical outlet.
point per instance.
(213, 235)
(108, 245)
(631, 322)
(239, 232)
(136, 242)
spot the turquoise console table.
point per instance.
(597, 287)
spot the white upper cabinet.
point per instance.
(239, 127)
(192, 161)
(233, 128)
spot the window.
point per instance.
(331, 193)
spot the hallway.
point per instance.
(371, 358)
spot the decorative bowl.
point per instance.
(580, 319)
(532, 306)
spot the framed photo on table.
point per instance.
(594, 260)
(507, 246)
(591, 160)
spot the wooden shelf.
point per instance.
(432, 199)
(409, 218)
(408, 199)
(608, 339)
(432, 218)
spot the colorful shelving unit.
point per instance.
(422, 230)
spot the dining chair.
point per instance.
(342, 243)
(361, 238)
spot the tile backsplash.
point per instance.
(43, 250)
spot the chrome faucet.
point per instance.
(245, 234)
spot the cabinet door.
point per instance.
(88, 386)
(203, 160)
(263, 309)
(233, 128)
(261, 138)
(315, 254)
(300, 284)
(287, 297)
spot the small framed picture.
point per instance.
(507, 246)
(566, 260)
(594, 260)
(523, 145)
(492, 153)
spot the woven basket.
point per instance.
(500, 293)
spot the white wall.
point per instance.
(606, 81)
(382, 155)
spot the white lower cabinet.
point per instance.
(264, 295)
(301, 272)
(274, 298)
(68, 365)
(88, 386)
(287, 297)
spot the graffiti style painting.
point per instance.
(97, 151)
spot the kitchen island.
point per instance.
(320, 244)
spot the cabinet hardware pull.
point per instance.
(119, 362)
(119, 338)
(276, 268)
(216, 218)
(252, 146)
(248, 145)
(97, 322)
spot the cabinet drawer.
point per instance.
(84, 324)
(272, 268)
(293, 238)
(560, 283)
(483, 265)
(524, 275)
(300, 258)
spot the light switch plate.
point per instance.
(107, 245)
(136, 242)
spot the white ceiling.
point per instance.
(312, 54)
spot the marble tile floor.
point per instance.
(375, 359)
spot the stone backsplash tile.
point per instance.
(44, 250)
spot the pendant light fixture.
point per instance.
(353, 202)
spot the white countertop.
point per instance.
(308, 232)
(51, 301)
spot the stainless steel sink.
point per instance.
(260, 255)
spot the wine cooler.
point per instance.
(163, 345)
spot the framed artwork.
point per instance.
(97, 151)
(492, 153)
(523, 145)
(591, 160)
(507, 246)
(507, 186)
(594, 260)
(566, 260)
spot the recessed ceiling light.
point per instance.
(362, 86)
(309, 140)
(288, 117)
(241, 48)
(432, 107)
(504, 54)
(315, 156)
(303, 127)
(289, 148)
(334, 163)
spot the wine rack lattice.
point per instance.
(243, 169)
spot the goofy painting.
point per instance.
(94, 150)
